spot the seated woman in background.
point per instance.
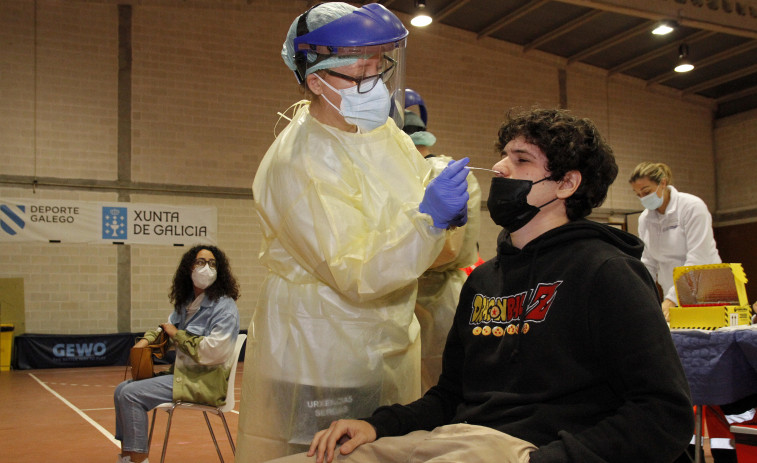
(204, 327)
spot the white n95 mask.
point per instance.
(204, 276)
(368, 110)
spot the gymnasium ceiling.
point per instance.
(615, 35)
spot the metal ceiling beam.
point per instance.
(710, 60)
(659, 16)
(449, 9)
(622, 37)
(721, 80)
(735, 96)
(505, 20)
(564, 29)
(672, 47)
(438, 16)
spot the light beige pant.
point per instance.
(455, 443)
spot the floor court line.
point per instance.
(79, 411)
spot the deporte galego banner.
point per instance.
(56, 221)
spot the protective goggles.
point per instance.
(366, 83)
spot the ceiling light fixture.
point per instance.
(421, 19)
(684, 65)
(664, 28)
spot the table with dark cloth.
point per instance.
(720, 365)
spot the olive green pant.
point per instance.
(453, 443)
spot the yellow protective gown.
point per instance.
(333, 334)
(439, 287)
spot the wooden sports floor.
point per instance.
(66, 416)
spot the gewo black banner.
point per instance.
(33, 351)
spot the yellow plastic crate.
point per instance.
(710, 297)
(6, 344)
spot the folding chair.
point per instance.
(170, 407)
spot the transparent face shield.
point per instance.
(371, 64)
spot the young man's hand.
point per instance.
(349, 433)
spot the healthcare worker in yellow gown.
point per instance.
(439, 286)
(350, 221)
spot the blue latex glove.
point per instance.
(461, 219)
(446, 198)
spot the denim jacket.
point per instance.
(204, 347)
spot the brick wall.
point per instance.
(736, 157)
(207, 83)
(58, 98)
(68, 288)
(153, 266)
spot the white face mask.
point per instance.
(651, 201)
(368, 110)
(204, 277)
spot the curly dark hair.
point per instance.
(569, 143)
(182, 288)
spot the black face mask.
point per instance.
(508, 205)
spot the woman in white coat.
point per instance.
(676, 228)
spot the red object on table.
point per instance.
(746, 442)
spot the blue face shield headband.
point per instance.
(412, 98)
(370, 26)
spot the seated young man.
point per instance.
(558, 352)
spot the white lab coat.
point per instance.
(681, 236)
(333, 334)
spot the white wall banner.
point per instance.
(97, 223)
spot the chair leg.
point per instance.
(168, 430)
(152, 427)
(228, 433)
(212, 434)
(210, 429)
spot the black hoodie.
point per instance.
(562, 344)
